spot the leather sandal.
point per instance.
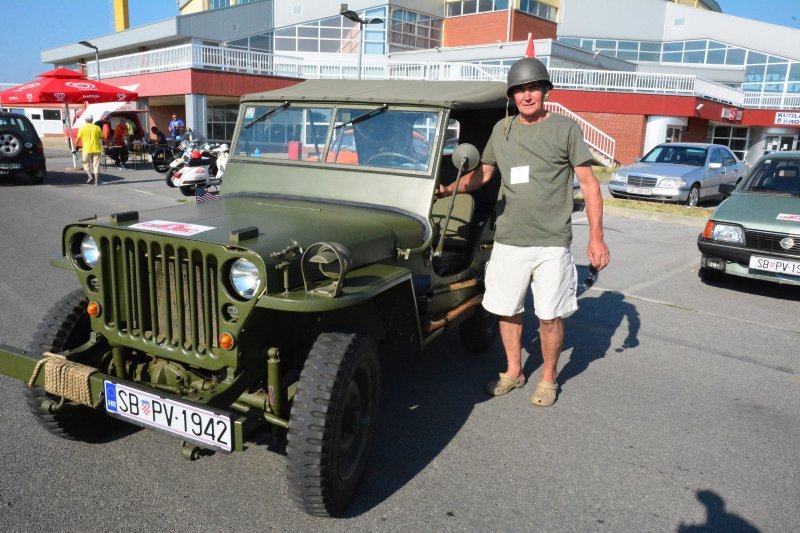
(504, 385)
(544, 395)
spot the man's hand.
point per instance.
(598, 254)
(442, 192)
(597, 251)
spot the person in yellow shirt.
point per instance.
(92, 141)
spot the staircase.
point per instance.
(600, 144)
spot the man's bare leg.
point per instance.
(511, 334)
(551, 337)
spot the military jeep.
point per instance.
(267, 308)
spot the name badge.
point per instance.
(519, 175)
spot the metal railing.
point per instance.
(594, 137)
(771, 101)
(236, 60)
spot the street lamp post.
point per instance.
(96, 55)
(352, 15)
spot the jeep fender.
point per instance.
(379, 296)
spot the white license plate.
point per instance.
(10, 166)
(639, 190)
(191, 423)
(779, 266)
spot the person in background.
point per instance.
(536, 152)
(176, 127)
(159, 135)
(106, 125)
(92, 141)
(118, 151)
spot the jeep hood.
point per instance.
(370, 234)
(761, 211)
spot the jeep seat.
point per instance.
(458, 236)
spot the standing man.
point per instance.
(176, 127)
(91, 137)
(536, 153)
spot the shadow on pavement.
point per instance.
(425, 400)
(757, 287)
(718, 520)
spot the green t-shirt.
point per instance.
(536, 208)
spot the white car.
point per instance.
(686, 173)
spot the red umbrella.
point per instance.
(65, 86)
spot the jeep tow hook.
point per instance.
(192, 452)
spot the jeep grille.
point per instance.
(161, 294)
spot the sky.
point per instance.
(30, 26)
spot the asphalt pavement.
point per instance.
(678, 409)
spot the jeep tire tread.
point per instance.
(64, 327)
(332, 421)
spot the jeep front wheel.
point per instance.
(64, 327)
(332, 421)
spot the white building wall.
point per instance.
(612, 19)
(656, 130)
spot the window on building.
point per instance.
(51, 114)
(733, 137)
(221, 122)
(409, 29)
(334, 35)
(219, 4)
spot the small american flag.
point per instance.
(204, 195)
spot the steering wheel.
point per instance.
(392, 155)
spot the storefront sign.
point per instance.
(790, 119)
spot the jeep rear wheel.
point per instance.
(332, 421)
(64, 327)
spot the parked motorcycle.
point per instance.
(162, 156)
(181, 158)
(203, 169)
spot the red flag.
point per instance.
(529, 52)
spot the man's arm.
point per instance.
(469, 181)
(597, 251)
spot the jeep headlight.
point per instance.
(723, 232)
(90, 253)
(619, 178)
(244, 278)
(672, 183)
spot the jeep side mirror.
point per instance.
(466, 154)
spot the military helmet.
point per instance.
(527, 70)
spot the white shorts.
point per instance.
(550, 271)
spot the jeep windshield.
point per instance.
(368, 136)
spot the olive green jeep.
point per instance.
(267, 307)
